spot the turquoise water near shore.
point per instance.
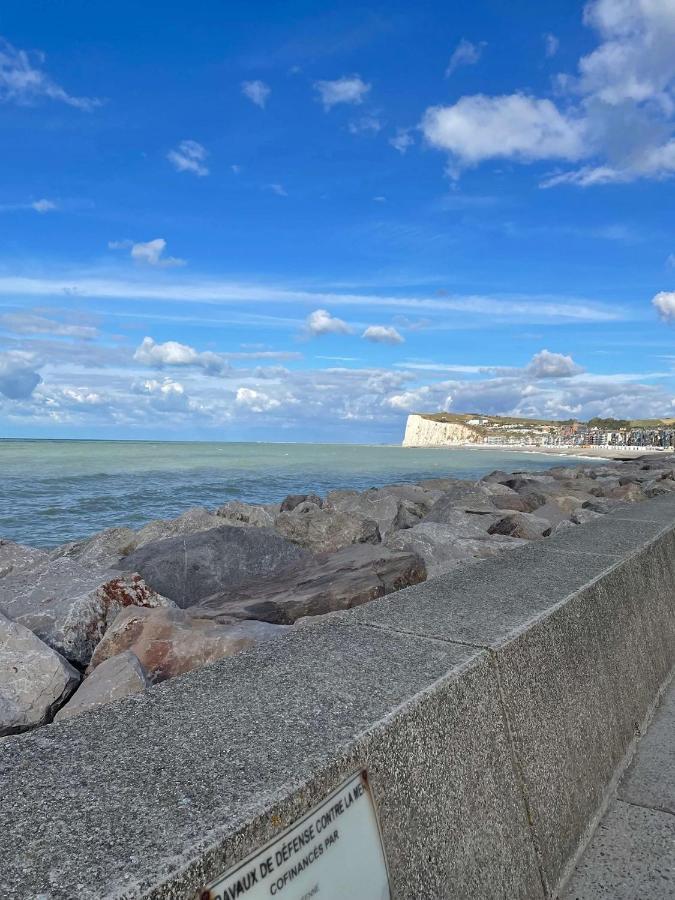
(56, 491)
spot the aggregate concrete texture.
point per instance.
(154, 795)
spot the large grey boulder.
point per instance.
(292, 501)
(186, 569)
(102, 549)
(421, 497)
(242, 514)
(117, 677)
(443, 549)
(192, 521)
(380, 506)
(326, 530)
(34, 679)
(169, 642)
(471, 497)
(330, 582)
(69, 607)
(15, 558)
(522, 525)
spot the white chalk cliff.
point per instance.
(421, 432)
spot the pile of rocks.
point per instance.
(95, 620)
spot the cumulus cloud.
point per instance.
(149, 252)
(464, 54)
(409, 400)
(552, 365)
(256, 401)
(383, 334)
(322, 322)
(18, 374)
(615, 114)
(256, 91)
(189, 156)
(350, 89)
(402, 140)
(513, 126)
(173, 353)
(635, 60)
(23, 81)
(166, 395)
(28, 323)
(664, 303)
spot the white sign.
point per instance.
(334, 852)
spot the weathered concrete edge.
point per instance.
(365, 752)
(661, 512)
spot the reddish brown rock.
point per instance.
(69, 607)
(169, 642)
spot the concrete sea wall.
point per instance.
(492, 709)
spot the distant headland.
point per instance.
(597, 437)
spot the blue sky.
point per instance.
(301, 221)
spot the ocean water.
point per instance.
(56, 491)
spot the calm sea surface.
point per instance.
(55, 491)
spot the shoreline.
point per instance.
(601, 452)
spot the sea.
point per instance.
(57, 491)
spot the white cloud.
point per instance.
(365, 125)
(18, 375)
(322, 322)
(383, 334)
(173, 353)
(23, 81)
(189, 156)
(552, 365)
(664, 303)
(350, 89)
(513, 126)
(409, 400)
(44, 205)
(530, 308)
(27, 323)
(151, 252)
(464, 54)
(278, 189)
(670, 261)
(551, 45)
(148, 252)
(256, 401)
(402, 140)
(655, 163)
(165, 395)
(636, 59)
(256, 91)
(616, 114)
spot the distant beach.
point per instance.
(602, 452)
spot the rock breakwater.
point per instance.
(100, 619)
